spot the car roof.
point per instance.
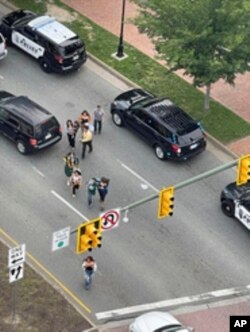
(169, 114)
(52, 29)
(26, 109)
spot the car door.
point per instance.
(9, 124)
(26, 39)
(138, 120)
(242, 213)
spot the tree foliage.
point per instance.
(209, 39)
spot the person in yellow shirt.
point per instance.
(86, 140)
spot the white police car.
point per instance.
(235, 202)
(56, 47)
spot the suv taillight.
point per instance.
(59, 58)
(33, 141)
(176, 149)
(5, 44)
(60, 130)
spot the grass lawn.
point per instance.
(220, 122)
(37, 306)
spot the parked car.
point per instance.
(171, 132)
(158, 321)
(3, 47)
(55, 46)
(27, 124)
(235, 202)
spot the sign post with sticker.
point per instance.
(110, 219)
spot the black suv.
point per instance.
(56, 47)
(26, 123)
(168, 129)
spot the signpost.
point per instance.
(110, 219)
(15, 262)
(16, 259)
(60, 239)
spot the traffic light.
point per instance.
(243, 170)
(89, 235)
(166, 199)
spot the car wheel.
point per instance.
(228, 208)
(21, 147)
(159, 152)
(117, 119)
(45, 65)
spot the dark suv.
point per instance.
(168, 129)
(26, 123)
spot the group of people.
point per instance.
(75, 180)
(87, 128)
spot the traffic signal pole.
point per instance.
(179, 185)
(183, 184)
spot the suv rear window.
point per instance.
(45, 127)
(71, 46)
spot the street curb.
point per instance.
(186, 309)
(8, 5)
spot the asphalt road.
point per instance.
(145, 260)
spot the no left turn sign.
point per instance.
(110, 219)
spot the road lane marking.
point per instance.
(37, 171)
(169, 304)
(46, 271)
(137, 176)
(69, 205)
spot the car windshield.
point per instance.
(71, 46)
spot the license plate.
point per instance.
(48, 136)
(76, 57)
(193, 146)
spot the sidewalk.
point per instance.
(212, 317)
(108, 15)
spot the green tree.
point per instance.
(209, 39)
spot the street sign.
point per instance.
(16, 272)
(110, 219)
(60, 239)
(16, 255)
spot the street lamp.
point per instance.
(120, 53)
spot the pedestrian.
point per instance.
(103, 190)
(89, 267)
(76, 127)
(86, 140)
(70, 133)
(92, 185)
(71, 162)
(76, 181)
(98, 115)
(84, 118)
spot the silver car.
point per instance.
(3, 48)
(158, 321)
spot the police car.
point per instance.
(56, 47)
(235, 202)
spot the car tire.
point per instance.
(117, 119)
(159, 152)
(21, 147)
(228, 208)
(45, 65)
